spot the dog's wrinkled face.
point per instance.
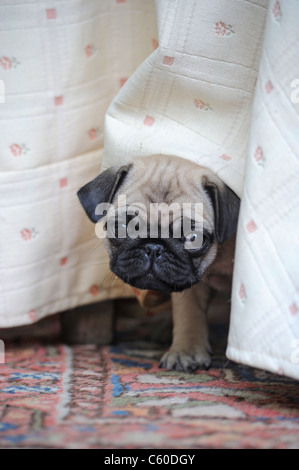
(152, 240)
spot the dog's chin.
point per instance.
(150, 281)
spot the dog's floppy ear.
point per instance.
(226, 205)
(102, 189)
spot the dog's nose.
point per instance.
(153, 250)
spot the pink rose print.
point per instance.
(242, 293)
(90, 51)
(28, 234)
(167, 60)
(58, 100)
(223, 29)
(32, 315)
(269, 86)
(51, 14)
(202, 105)
(276, 11)
(149, 121)
(18, 149)
(93, 133)
(63, 182)
(251, 226)
(7, 63)
(226, 157)
(294, 309)
(63, 261)
(94, 290)
(259, 155)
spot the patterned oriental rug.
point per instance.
(56, 396)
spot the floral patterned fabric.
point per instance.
(60, 67)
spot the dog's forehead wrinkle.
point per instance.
(164, 179)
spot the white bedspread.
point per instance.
(61, 64)
(216, 82)
(264, 329)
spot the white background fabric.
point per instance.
(61, 62)
(264, 329)
(191, 96)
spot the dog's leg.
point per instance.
(190, 348)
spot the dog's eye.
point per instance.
(195, 242)
(191, 238)
(119, 230)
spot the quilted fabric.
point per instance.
(264, 329)
(192, 97)
(61, 64)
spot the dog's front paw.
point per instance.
(186, 361)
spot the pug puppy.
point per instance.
(189, 264)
